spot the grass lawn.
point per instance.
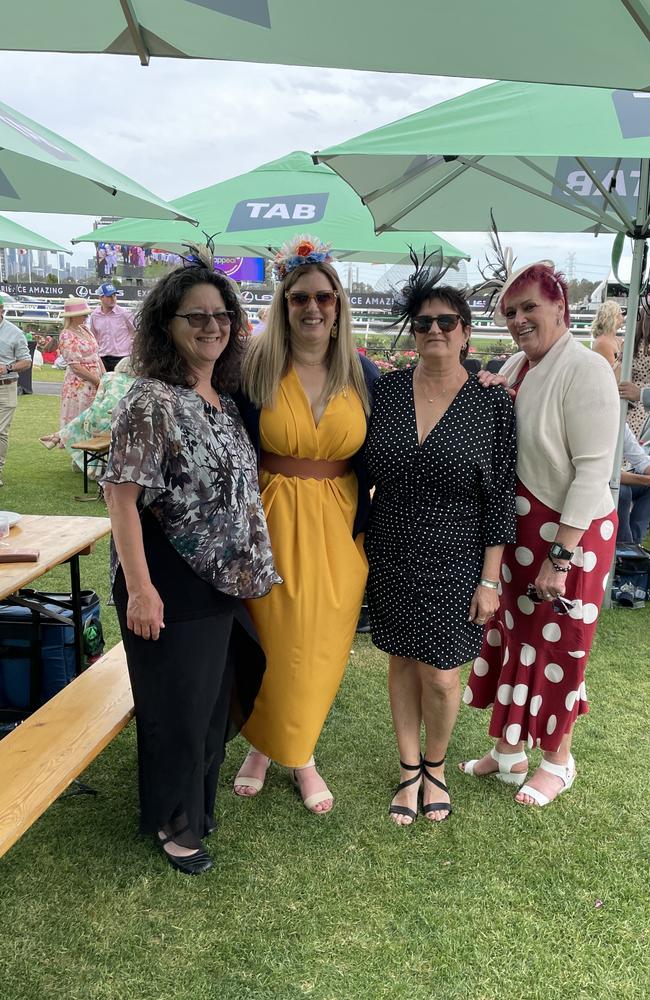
(497, 903)
(46, 373)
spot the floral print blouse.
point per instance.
(198, 472)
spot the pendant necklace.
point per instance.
(432, 399)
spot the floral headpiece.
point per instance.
(298, 251)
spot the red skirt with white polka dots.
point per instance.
(532, 664)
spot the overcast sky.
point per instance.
(180, 125)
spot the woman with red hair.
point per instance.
(532, 665)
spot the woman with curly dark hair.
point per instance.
(189, 542)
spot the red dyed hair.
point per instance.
(552, 284)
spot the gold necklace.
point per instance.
(432, 399)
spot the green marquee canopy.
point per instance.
(586, 42)
(544, 158)
(13, 235)
(254, 213)
(42, 172)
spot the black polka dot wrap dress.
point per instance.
(435, 508)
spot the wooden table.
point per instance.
(58, 540)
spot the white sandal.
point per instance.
(316, 797)
(567, 772)
(247, 780)
(505, 762)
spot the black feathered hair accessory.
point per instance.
(496, 271)
(420, 286)
(200, 254)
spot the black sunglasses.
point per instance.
(446, 322)
(560, 605)
(200, 320)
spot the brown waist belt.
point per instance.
(303, 468)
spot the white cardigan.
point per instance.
(568, 413)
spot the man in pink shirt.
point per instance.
(112, 326)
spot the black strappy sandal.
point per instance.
(435, 806)
(404, 810)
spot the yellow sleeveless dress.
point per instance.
(306, 625)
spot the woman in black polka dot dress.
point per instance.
(441, 453)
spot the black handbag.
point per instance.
(631, 575)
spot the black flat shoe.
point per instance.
(193, 864)
(394, 810)
(435, 806)
(210, 827)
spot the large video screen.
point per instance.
(241, 268)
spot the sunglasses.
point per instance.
(200, 320)
(560, 605)
(302, 298)
(446, 322)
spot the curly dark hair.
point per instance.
(154, 353)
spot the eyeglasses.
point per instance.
(200, 319)
(560, 605)
(446, 322)
(302, 298)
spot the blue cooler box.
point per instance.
(37, 655)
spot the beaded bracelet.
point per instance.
(558, 568)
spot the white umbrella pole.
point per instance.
(636, 279)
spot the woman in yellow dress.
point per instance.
(306, 402)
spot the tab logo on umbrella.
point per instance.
(283, 210)
(625, 183)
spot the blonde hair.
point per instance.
(67, 320)
(269, 355)
(607, 319)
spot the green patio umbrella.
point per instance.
(42, 172)
(586, 42)
(544, 158)
(255, 212)
(14, 235)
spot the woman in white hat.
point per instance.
(84, 367)
(531, 668)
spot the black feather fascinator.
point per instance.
(498, 267)
(200, 254)
(421, 285)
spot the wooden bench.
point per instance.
(40, 758)
(94, 449)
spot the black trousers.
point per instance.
(192, 688)
(110, 360)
